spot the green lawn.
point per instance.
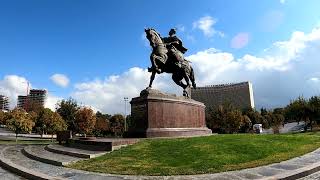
(201, 154)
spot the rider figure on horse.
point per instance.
(175, 47)
(174, 41)
(167, 56)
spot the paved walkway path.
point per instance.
(314, 176)
(5, 175)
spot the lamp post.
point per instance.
(125, 112)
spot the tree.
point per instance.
(246, 124)
(20, 122)
(4, 116)
(85, 120)
(117, 124)
(314, 106)
(54, 123)
(226, 119)
(67, 109)
(254, 116)
(101, 115)
(40, 125)
(299, 110)
(49, 122)
(102, 126)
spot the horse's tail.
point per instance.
(192, 78)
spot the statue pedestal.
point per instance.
(155, 114)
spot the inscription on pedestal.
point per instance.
(139, 116)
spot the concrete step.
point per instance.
(101, 144)
(15, 161)
(4, 174)
(38, 152)
(12, 159)
(72, 151)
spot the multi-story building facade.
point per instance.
(36, 96)
(22, 100)
(4, 103)
(240, 95)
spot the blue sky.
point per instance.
(97, 45)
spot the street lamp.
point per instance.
(125, 112)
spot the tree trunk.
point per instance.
(52, 137)
(16, 137)
(305, 125)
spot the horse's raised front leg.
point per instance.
(152, 78)
(154, 66)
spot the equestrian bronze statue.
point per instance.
(167, 56)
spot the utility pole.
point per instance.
(125, 112)
(27, 96)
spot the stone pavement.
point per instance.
(14, 157)
(5, 175)
(314, 176)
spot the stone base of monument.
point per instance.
(157, 114)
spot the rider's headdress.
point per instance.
(172, 31)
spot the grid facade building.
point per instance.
(36, 96)
(22, 100)
(4, 103)
(240, 95)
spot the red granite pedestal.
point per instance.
(156, 114)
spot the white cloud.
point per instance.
(60, 80)
(240, 40)
(282, 1)
(205, 24)
(314, 79)
(107, 95)
(51, 101)
(282, 72)
(12, 86)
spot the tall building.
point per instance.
(36, 96)
(4, 103)
(240, 95)
(22, 101)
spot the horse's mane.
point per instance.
(156, 32)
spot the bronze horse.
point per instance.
(166, 58)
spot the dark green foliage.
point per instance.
(117, 124)
(307, 110)
(253, 115)
(226, 119)
(67, 110)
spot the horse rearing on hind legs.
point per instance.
(166, 58)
